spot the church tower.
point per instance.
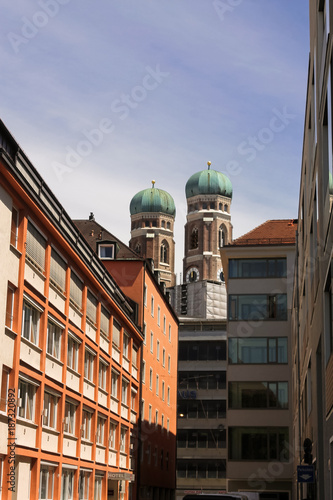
(208, 225)
(152, 225)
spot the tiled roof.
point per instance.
(271, 232)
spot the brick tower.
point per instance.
(208, 225)
(152, 224)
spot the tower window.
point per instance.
(168, 225)
(226, 208)
(138, 248)
(220, 206)
(222, 236)
(165, 252)
(163, 223)
(194, 238)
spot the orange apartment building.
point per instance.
(70, 352)
(156, 477)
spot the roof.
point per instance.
(271, 232)
(208, 181)
(152, 200)
(94, 233)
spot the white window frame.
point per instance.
(67, 484)
(47, 472)
(89, 362)
(157, 350)
(53, 342)
(70, 417)
(27, 398)
(112, 434)
(86, 424)
(30, 333)
(50, 409)
(114, 384)
(73, 346)
(102, 373)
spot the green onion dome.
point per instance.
(208, 182)
(152, 200)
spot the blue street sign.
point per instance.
(305, 474)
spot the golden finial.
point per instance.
(152, 184)
(209, 164)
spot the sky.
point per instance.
(105, 97)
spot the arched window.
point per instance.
(168, 225)
(220, 206)
(138, 248)
(194, 238)
(223, 236)
(165, 252)
(163, 223)
(226, 208)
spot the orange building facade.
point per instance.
(156, 431)
(70, 352)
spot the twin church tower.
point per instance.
(208, 227)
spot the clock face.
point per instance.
(192, 274)
(220, 275)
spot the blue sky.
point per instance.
(104, 97)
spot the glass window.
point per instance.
(67, 486)
(258, 443)
(26, 406)
(30, 323)
(100, 430)
(124, 391)
(98, 488)
(58, 270)
(10, 307)
(50, 410)
(69, 421)
(53, 339)
(14, 227)
(86, 425)
(75, 291)
(89, 359)
(126, 342)
(258, 350)
(105, 321)
(84, 485)
(46, 482)
(112, 435)
(91, 307)
(72, 352)
(35, 247)
(102, 372)
(116, 333)
(106, 251)
(258, 268)
(114, 384)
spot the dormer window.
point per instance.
(106, 251)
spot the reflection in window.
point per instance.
(258, 350)
(258, 307)
(258, 443)
(258, 395)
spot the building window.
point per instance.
(106, 251)
(258, 395)
(138, 248)
(102, 372)
(73, 345)
(124, 392)
(100, 430)
(133, 399)
(50, 410)
(98, 488)
(205, 409)
(105, 322)
(116, 334)
(258, 443)
(53, 346)
(114, 384)
(143, 372)
(157, 350)
(126, 342)
(46, 482)
(14, 227)
(169, 363)
(112, 435)
(203, 439)
(163, 390)
(169, 333)
(201, 469)
(67, 486)
(222, 236)
(158, 315)
(123, 439)
(151, 342)
(91, 308)
(164, 252)
(145, 295)
(150, 414)
(86, 425)
(194, 240)
(58, 270)
(214, 350)
(142, 410)
(258, 268)
(168, 396)
(151, 379)
(260, 350)
(4, 390)
(201, 380)
(75, 291)
(30, 323)
(84, 485)
(10, 307)
(163, 358)
(164, 325)
(156, 418)
(89, 358)
(135, 351)
(152, 306)
(258, 307)
(69, 421)
(26, 394)
(35, 247)
(157, 384)
(144, 333)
